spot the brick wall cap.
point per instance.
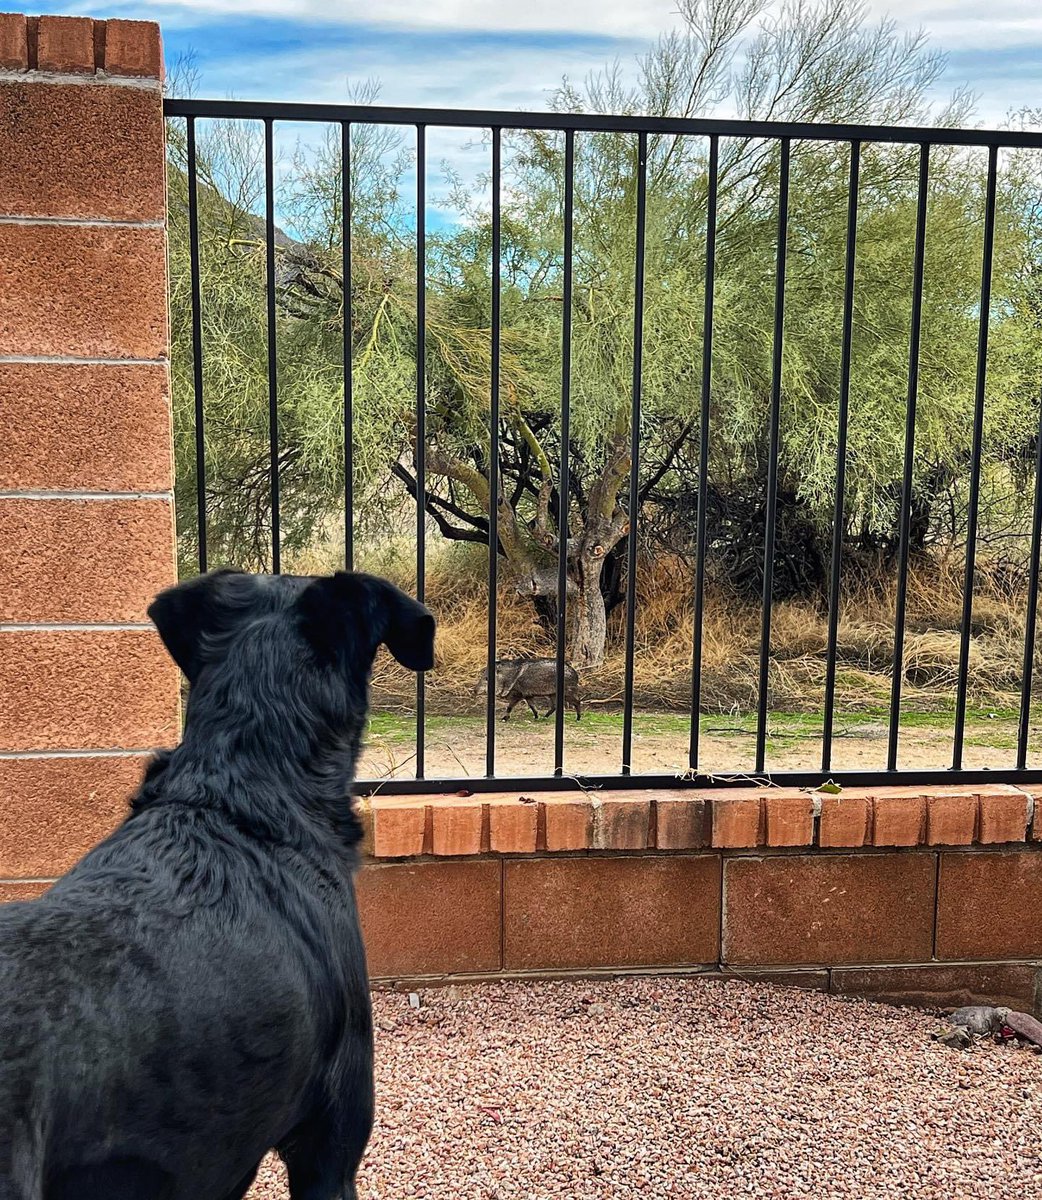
(68, 45)
(729, 819)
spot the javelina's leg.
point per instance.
(578, 707)
(535, 711)
(510, 707)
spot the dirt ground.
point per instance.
(455, 746)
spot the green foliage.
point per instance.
(809, 62)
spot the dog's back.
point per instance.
(177, 982)
(194, 993)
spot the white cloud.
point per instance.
(615, 18)
(968, 23)
(955, 24)
(497, 76)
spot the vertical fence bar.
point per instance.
(564, 484)
(1031, 616)
(273, 374)
(909, 455)
(975, 456)
(421, 420)
(197, 343)
(635, 414)
(841, 456)
(772, 454)
(703, 450)
(348, 349)
(493, 455)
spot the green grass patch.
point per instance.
(984, 727)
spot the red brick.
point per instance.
(951, 819)
(133, 48)
(86, 689)
(56, 809)
(14, 42)
(790, 818)
(898, 820)
(398, 827)
(621, 823)
(680, 821)
(72, 427)
(569, 822)
(83, 152)
(943, 985)
(1003, 815)
(988, 905)
(611, 912)
(84, 560)
(65, 45)
(431, 918)
(806, 909)
(21, 890)
(513, 826)
(844, 820)
(736, 821)
(83, 291)
(456, 828)
(1036, 824)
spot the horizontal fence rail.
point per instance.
(705, 422)
(464, 118)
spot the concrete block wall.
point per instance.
(925, 895)
(86, 506)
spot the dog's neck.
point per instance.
(264, 767)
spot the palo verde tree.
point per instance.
(810, 62)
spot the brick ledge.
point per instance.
(687, 819)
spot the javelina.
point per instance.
(531, 679)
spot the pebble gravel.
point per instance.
(687, 1088)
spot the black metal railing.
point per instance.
(786, 136)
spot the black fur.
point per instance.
(194, 992)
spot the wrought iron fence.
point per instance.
(785, 135)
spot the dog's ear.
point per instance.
(191, 616)
(354, 611)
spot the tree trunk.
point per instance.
(589, 616)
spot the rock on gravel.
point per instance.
(687, 1088)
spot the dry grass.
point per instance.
(457, 592)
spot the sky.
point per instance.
(511, 55)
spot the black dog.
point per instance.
(194, 992)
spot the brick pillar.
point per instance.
(86, 506)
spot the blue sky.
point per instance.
(487, 53)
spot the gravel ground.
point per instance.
(686, 1088)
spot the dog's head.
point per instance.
(276, 623)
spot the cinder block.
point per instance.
(81, 152)
(988, 905)
(807, 910)
(611, 912)
(84, 560)
(86, 689)
(431, 918)
(82, 427)
(82, 291)
(56, 809)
